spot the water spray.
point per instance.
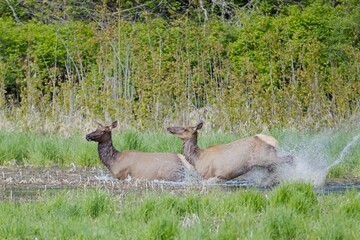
(311, 163)
(345, 151)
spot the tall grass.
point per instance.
(243, 214)
(45, 150)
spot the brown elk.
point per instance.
(228, 161)
(135, 164)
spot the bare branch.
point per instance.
(204, 10)
(14, 13)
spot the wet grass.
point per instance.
(26, 148)
(290, 211)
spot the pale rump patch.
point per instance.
(268, 139)
(186, 163)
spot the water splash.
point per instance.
(345, 151)
(311, 159)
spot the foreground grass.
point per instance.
(46, 150)
(290, 211)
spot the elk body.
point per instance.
(137, 165)
(228, 161)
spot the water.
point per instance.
(311, 159)
(35, 192)
(345, 151)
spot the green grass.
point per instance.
(47, 150)
(290, 211)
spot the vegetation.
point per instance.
(251, 64)
(242, 66)
(291, 211)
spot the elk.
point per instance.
(135, 164)
(228, 161)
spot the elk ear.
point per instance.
(199, 126)
(114, 124)
(96, 121)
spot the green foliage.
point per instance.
(299, 197)
(284, 223)
(66, 215)
(277, 63)
(46, 150)
(164, 229)
(351, 207)
(253, 200)
(98, 214)
(14, 148)
(291, 59)
(99, 203)
(132, 141)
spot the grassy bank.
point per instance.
(290, 211)
(27, 148)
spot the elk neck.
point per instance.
(190, 149)
(107, 152)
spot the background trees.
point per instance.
(244, 64)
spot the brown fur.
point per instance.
(228, 161)
(137, 165)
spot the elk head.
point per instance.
(185, 133)
(102, 133)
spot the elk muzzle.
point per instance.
(88, 137)
(175, 130)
